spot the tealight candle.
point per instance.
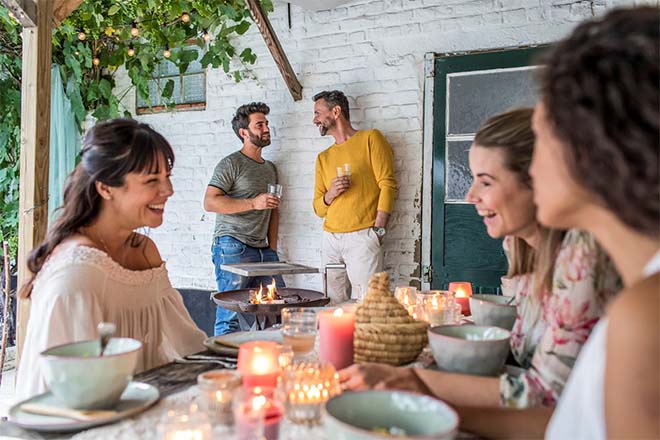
(187, 424)
(257, 413)
(406, 295)
(336, 337)
(307, 386)
(462, 292)
(217, 391)
(258, 363)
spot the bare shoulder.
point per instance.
(638, 303)
(149, 250)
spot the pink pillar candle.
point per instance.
(336, 337)
(462, 292)
(258, 363)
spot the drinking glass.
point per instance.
(440, 307)
(258, 412)
(217, 389)
(275, 189)
(299, 329)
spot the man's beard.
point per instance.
(257, 141)
(325, 126)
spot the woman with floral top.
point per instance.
(561, 281)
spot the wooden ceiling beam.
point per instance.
(62, 9)
(24, 11)
(275, 48)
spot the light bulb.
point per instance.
(167, 53)
(134, 30)
(130, 52)
(82, 35)
(185, 17)
(96, 61)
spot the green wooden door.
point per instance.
(467, 90)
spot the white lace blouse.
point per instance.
(81, 286)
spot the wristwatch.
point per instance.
(380, 231)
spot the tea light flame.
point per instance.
(338, 312)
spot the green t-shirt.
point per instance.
(240, 177)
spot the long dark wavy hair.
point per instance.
(601, 88)
(111, 150)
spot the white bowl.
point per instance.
(469, 349)
(79, 378)
(358, 415)
(493, 310)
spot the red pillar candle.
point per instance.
(336, 337)
(462, 292)
(258, 363)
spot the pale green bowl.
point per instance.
(354, 416)
(469, 349)
(79, 378)
(493, 310)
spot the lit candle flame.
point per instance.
(338, 312)
(271, 291)
(258, 402)
(460, 293)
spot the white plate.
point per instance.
(239, 338)
(136, 398)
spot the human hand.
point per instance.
(380, 376)
(338, 185)
(265, 201)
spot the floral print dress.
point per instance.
(548, 334)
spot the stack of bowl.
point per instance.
(496, 310)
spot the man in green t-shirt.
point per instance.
(246, 214)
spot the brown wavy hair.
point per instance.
(111, 150)
(511, 132)
(601, 90)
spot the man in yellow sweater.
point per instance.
(354, 191)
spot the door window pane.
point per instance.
(459, 177)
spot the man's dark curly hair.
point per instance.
(601, 92)
(334, 98)
(242, 117)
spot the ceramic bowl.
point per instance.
(469, 349)
(79, 378)
(367, 415)
(493, 310)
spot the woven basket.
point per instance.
(384, 331)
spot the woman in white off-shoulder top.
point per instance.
(94, 267)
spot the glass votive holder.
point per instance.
(439, 307)
(299, 329)
(188, 424)
(259, 363)
(217, 390)
(257, 413)
(407, 296)
(306, 387)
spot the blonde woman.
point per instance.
(561, 281)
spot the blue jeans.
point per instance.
(228, 250)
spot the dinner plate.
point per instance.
(136, 398)
(215, 343)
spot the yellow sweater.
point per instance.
(373, 185)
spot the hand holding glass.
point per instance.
(275, 189)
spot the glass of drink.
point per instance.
(299, 329)
(275, 189)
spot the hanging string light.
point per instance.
(134, 29)
(96, 61)
(185, 17)
(81, 35)
(206, 36)
(131, 50)
(166, 52)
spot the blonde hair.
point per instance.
(512, 133)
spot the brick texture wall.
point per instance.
(374, 52)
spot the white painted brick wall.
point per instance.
(373, 51)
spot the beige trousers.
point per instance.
(362, 254)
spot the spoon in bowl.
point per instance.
(106, 330)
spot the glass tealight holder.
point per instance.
(306, 387)
(299, 329)
(188, 424)
(407, 296)
(217, 390)
(258, 412)
(440, 308)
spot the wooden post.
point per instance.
(275, 48)
(35, 142)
